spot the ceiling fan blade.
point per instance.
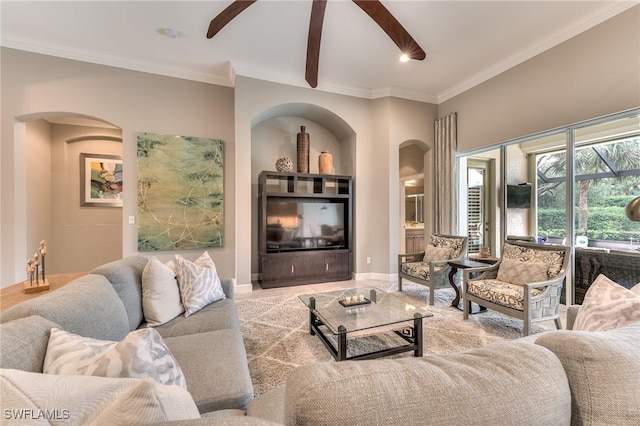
(224, 17)
(392, 27)
(313, 42)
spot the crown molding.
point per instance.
(551, 42)
(115, 61)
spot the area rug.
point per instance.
(276, 332)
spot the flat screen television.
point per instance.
(305, 224)
(519, 196)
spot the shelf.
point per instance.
(304, 183)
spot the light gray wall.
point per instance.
(591, 75)
(81, 237)
(39, 186)
(34, 85)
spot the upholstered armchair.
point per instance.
(526, 283)
(430, 267)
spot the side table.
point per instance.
(464, 264)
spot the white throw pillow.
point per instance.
(141, 354)
(160, 293)
(517, 272)
(436, 254)
(636, 289)
(198, 282)
(91, 400)
(606, 306)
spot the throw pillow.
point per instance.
(160, 293)
(607, 305)
(436, 254)
(517, 272)
(198, 282)
(141, 354)
(603, 373)
(636, 289)
(90, 400)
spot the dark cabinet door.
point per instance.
(337, 266)
(283, 268)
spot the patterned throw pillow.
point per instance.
(517, 272)
(435, 254)
(606, 306)
(160, 293)
(198, 282)
(141, 354)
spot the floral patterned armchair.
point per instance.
(526, 283)
(430, 267)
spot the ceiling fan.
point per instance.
(374, 8)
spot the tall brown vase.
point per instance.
(303, 151)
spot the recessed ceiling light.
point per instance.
(404, 57)
(170, 32)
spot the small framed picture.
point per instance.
(100, 180)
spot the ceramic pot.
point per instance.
(325, 163)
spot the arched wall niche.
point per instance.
(48, 147)
(274, 135)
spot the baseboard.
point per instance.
(375, 276)
(242, 288)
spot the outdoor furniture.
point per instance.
(430, 267)
(526, 283)
(621, 266)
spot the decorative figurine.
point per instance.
(35, 282)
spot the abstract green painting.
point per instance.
(180, 192)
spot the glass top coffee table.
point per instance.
(357, 311)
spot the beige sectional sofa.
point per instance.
(107, 304)
(558, 378)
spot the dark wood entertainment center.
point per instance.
(304, 228)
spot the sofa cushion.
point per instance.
(604, 373)
(455, 244)
(215, 316)
(500, 292)
(269, 405)
(436, 254)
(142, 354)
(198, 282)
(125, 275)
(24, 343)
(502, 383)
(518, 272)
(84, 400)
(552, 258)
(160, 294)
(88, 306)
(607, 305)
(216, 369)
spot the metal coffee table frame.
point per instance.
(411, 334)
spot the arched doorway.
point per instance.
(79, 235)
(414, 214)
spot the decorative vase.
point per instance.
(325, 163)
(284, 164)
(303, 151)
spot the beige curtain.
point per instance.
(445, 200)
